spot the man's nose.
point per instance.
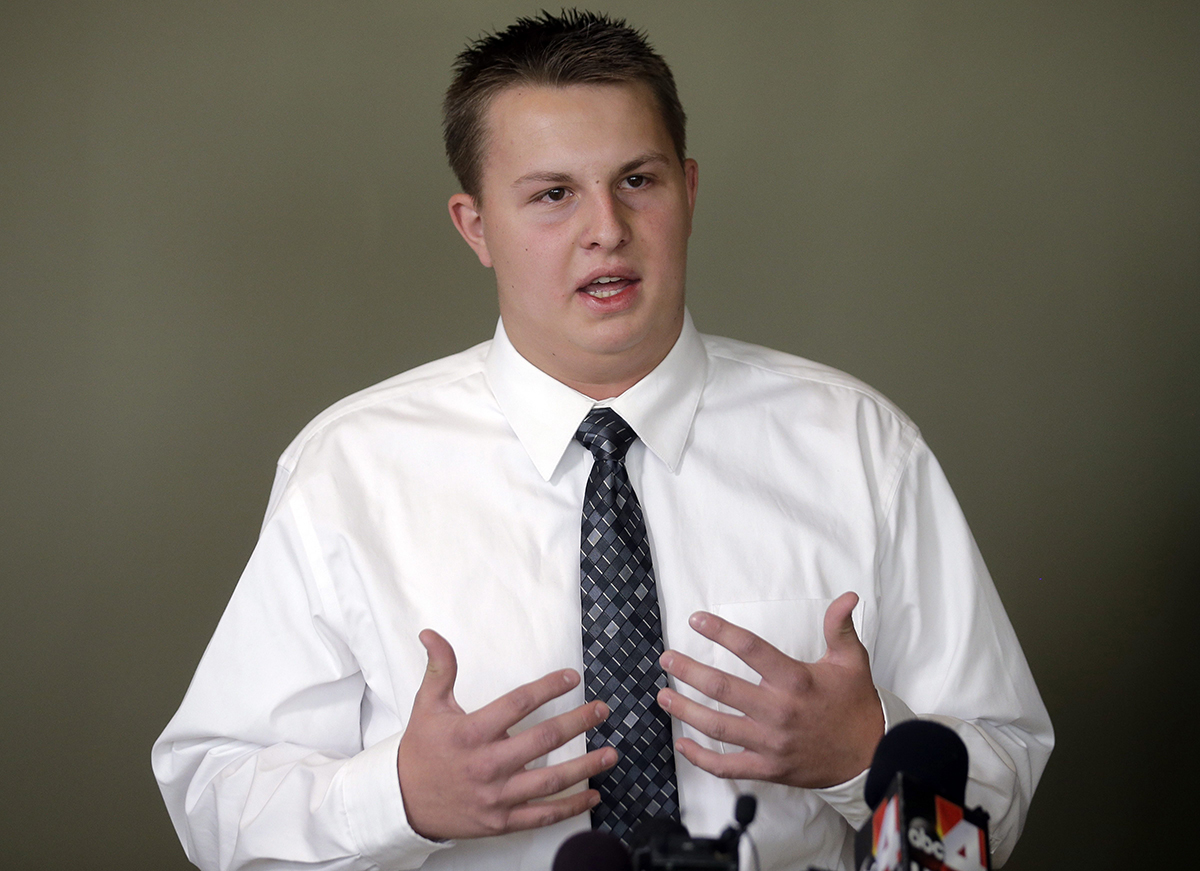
(606, 225)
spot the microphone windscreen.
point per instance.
(592, 851)
(744, 809)
(922, 749)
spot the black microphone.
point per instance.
(592, 851)
(654, 838)
(657, 844)
(924, 750)
(916, 787)
(661, 844)
(743, 815)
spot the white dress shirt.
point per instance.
(449, 497)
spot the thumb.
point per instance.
(840, 637)
(440, 671)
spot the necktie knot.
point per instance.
(606, 434)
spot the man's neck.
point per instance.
(596, 375)
(599, 381)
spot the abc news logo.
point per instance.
(961, 848)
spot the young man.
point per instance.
(397, 680)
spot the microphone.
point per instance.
(661, 844)
(654, 831)
(924, 750)
(657, 844)
(592, 851)
(916, 787)
(743, 815)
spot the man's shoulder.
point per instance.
(403, 393)
(799, 377)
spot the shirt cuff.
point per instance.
(375, 810)
(847, 798)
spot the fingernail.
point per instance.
(664, 700)
(698, 620)
(602, 710)
(667, 660)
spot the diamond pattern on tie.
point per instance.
(622, 637)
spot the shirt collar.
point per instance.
(545, 413)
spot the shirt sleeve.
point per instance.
(946, 651)
(265, 758)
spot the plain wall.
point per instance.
(216, 219)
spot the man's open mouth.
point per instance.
(606, 286)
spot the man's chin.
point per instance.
(619, 360)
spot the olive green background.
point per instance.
(218, 218)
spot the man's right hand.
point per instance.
(463, 776)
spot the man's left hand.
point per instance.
(803, 724)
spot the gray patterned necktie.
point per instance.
(622, 637)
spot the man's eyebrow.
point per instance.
(544, 178)
(643, 159)
(560, 178)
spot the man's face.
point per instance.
(585, 214)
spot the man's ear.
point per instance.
(469, 223)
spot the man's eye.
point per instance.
(555, 195)
(636, 181)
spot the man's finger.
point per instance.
(494, 719)
(763, 657)
(537, 741)
(840, 636)
(539, 783)
(743, 765)
(536, 814)
(726, 728)
(718, 685)
(441, 669)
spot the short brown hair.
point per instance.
(572, 48)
